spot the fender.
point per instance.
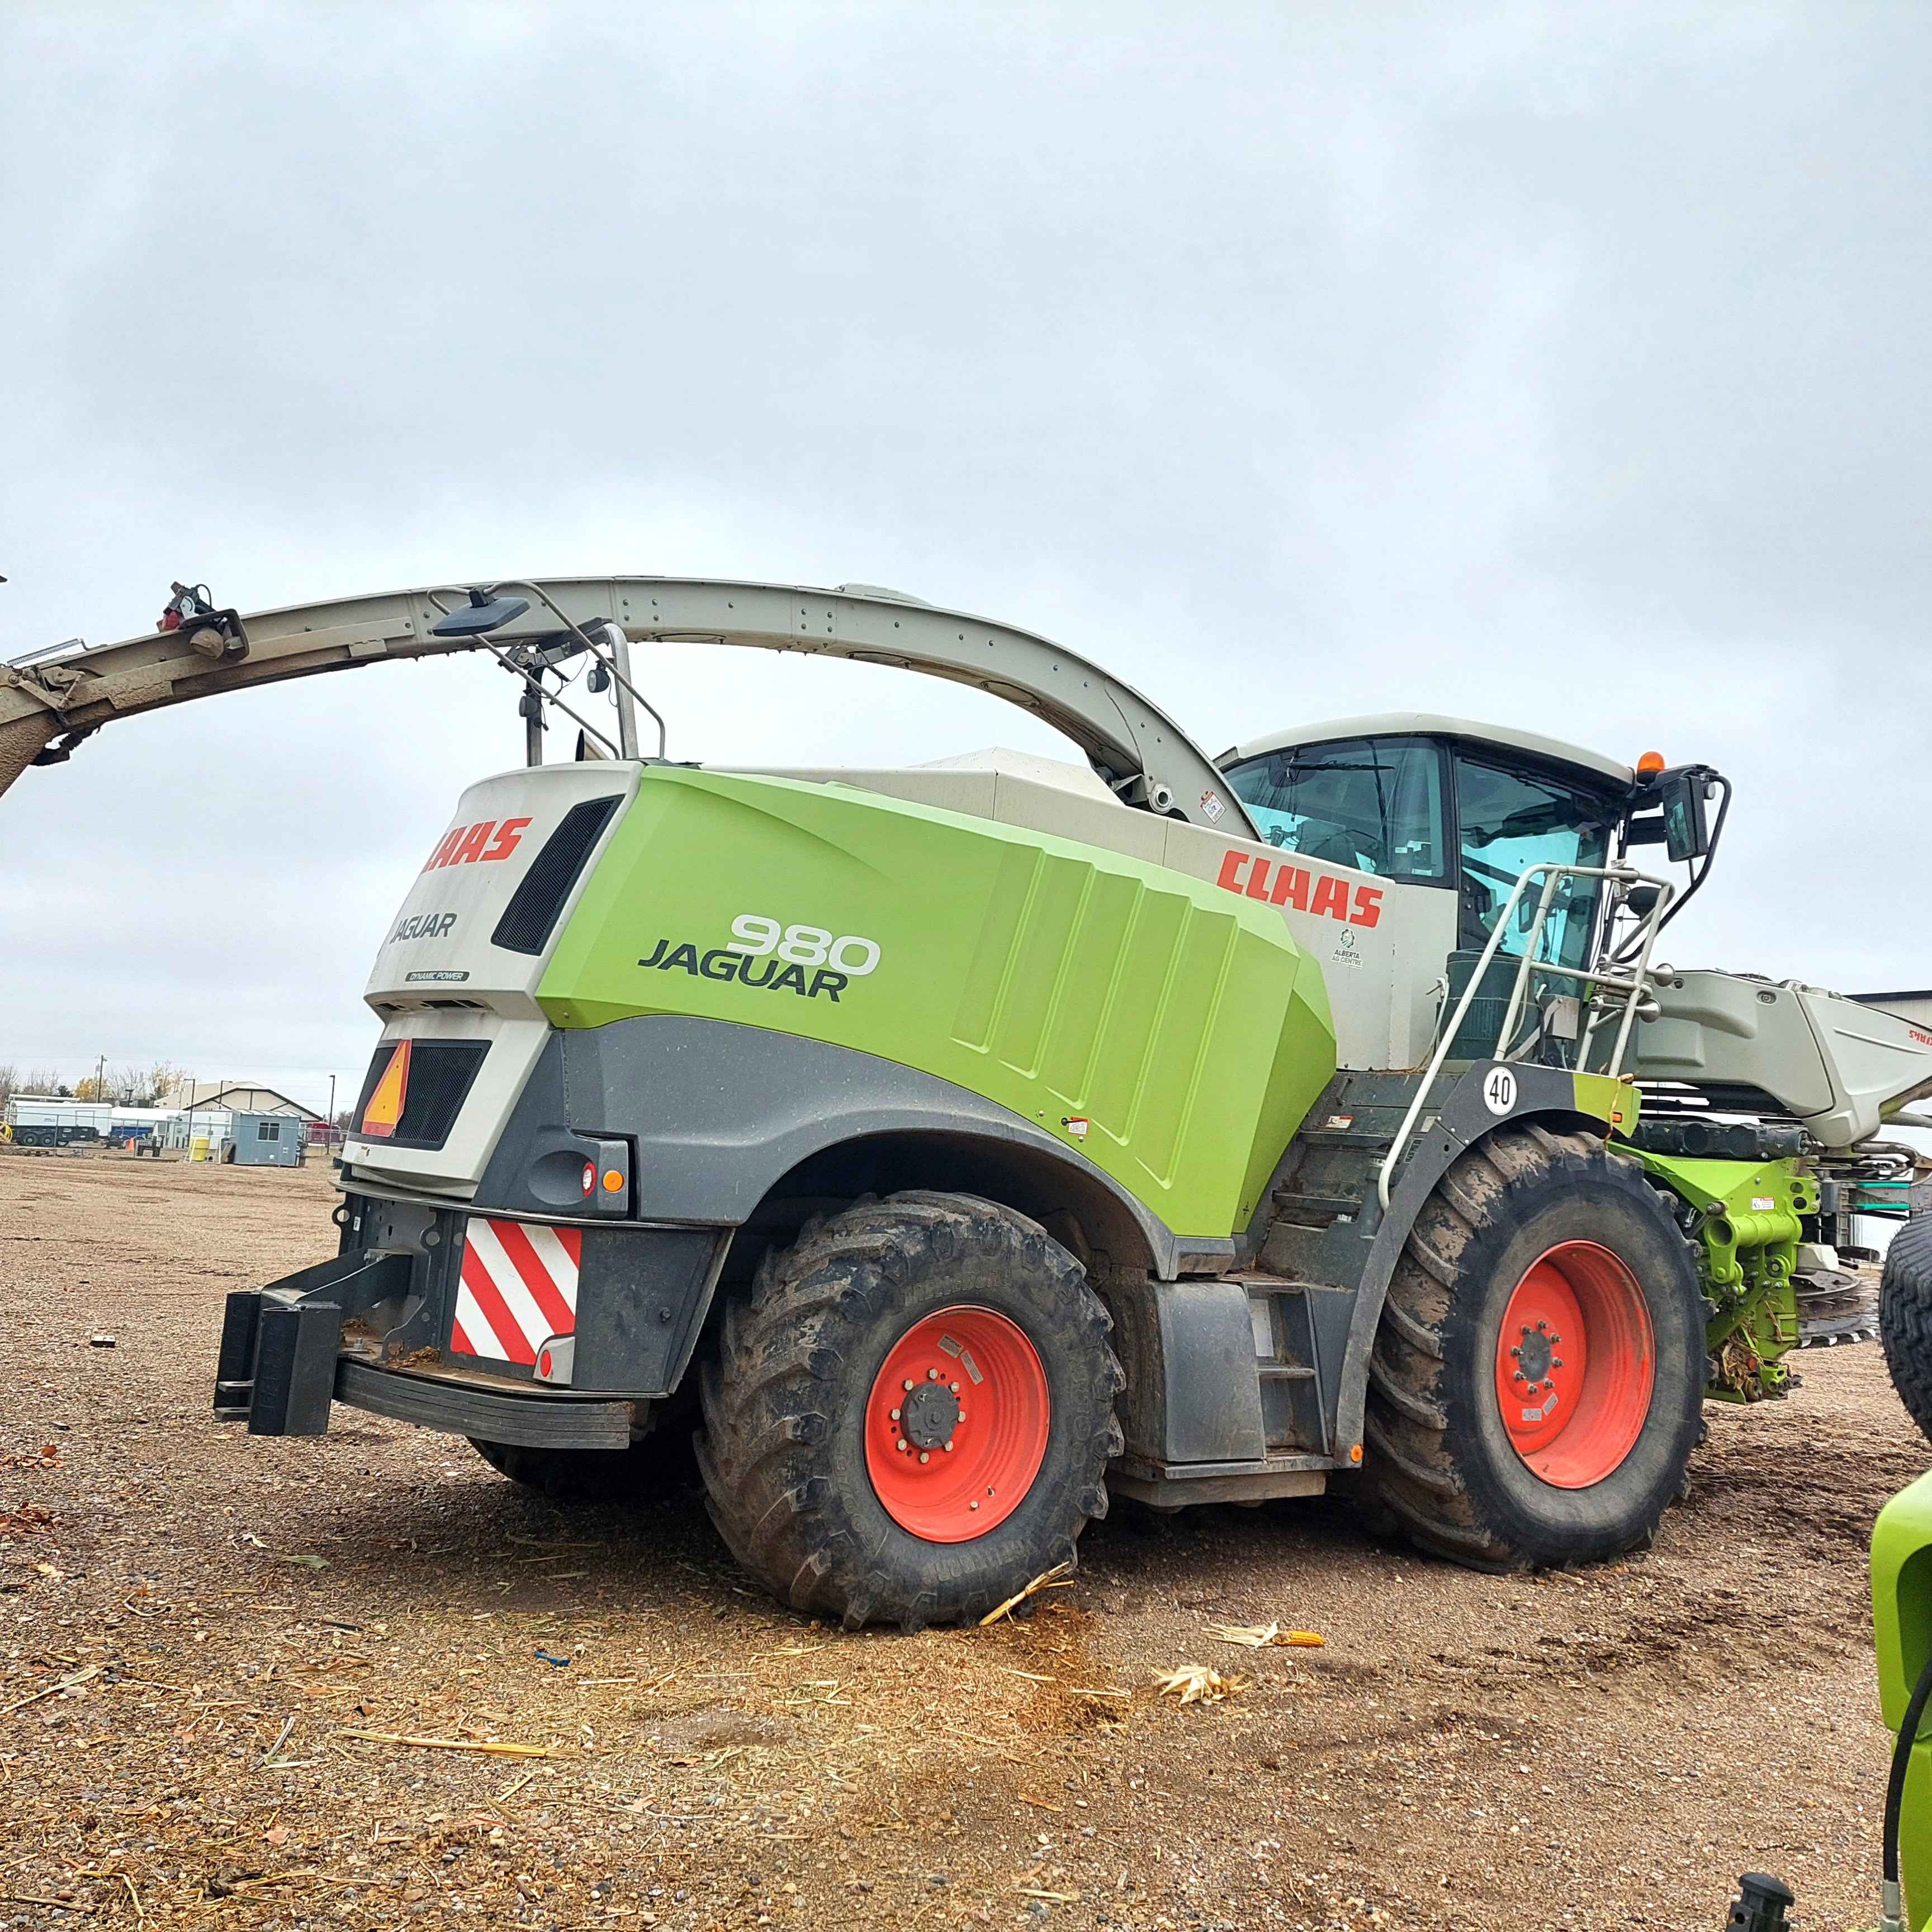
(1475, 1106)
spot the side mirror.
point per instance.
(1686, 835)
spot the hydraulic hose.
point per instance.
(1892, 1919)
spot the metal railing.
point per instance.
(1606, 992)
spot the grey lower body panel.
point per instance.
(459, 1408)
(718, 1112)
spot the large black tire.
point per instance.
(658, 1463)
(1439, 1458)
(1905, 1317)
(783, 1449)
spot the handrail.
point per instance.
(1631, 985)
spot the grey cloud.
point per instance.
(1562, 366)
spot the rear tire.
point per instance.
(657, 1464)
(1905, 1317)
(1531, 1242)
(983, 1328)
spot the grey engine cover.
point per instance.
(1834, 1063)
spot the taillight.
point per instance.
(386, 1104)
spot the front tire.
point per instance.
(1905, 1317)
(900, 1359)
(1494, 1439)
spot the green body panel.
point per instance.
(1616, 1102)
(1747, 1240)
(1180, 1025)
(1901, 1587)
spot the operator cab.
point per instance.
(1442, 801)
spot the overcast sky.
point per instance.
(1568, 366)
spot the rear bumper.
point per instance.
(381, 1326)
(536, 1421)
(283, 1365)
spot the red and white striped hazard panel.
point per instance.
(519, 1288)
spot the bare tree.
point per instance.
(163, 1077)
(42, 1080)
(9, 1081)
(129, 1086)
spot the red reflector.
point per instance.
(543, 1362)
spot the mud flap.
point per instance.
(277, 1367)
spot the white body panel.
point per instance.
(1433, 724)
(436, 974)
(437, 947)
(1837, 1064)
(1916, 1007)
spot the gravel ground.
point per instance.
(1606, 1748)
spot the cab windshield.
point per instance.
(1507, 821)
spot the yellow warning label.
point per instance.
(386, 1105)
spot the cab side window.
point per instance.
(1373, 804)
(1506, 821)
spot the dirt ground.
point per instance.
(1601, 1749)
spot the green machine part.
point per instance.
(1173, 1034)
(1901, 1586)
(1744, 1219)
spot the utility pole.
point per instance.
(329, 1141)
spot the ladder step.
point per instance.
(1323, 1203)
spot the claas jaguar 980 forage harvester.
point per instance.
(943, 1148)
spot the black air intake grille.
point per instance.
(441, 1072)
(533, 911)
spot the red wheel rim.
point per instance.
(1575, 1363)
(956, 1424)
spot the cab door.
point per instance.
(1510, 816)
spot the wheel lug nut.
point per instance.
(906, 1386)
(932, 1375)
(948, 1447)
(1556, 1361)
(924, 1457)
(1516, 1352)
(972, 1505)
(896, 1415)
(954, 1387)
(902, 1442)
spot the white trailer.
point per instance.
(55, 1119)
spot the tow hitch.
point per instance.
(277, 1368)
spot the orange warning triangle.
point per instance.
(386, 1105)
